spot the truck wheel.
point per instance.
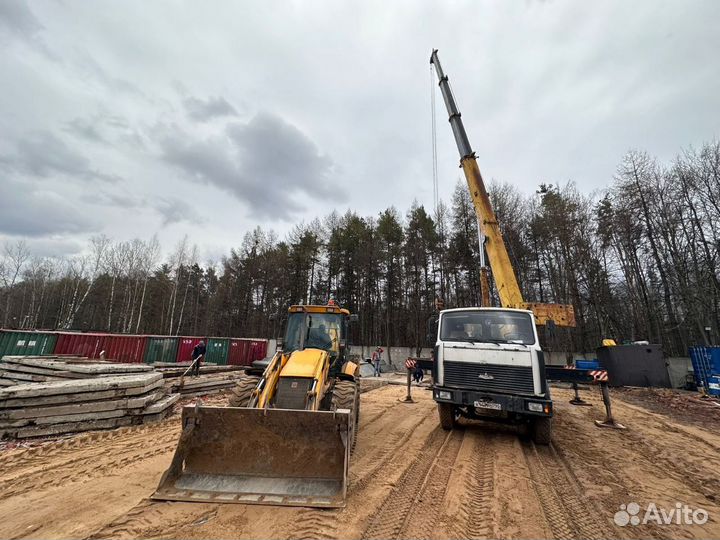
(242, 392)
(446, 411)
(541, 429)
(345, 395)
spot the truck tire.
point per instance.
(346, 395)
(241, 393)
(446, 411)
(541, 430)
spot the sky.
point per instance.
(208, 119)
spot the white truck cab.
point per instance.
(489, 365)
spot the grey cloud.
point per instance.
(28, 210)
(17, 20)
(43, 154)
(267, 163)
(53, 247)
(85, 129)
(213, 107)
(174, 210)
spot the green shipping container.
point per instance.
(217, 351)
(26, 343)
(161, 349)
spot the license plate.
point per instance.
(488, 405)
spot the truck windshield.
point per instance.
(488, 326)
(313, 330)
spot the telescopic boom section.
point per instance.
(502, 270)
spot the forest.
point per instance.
(638, 261)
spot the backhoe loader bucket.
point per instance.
(260, 456)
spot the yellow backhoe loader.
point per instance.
(289, 429)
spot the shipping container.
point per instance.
(123, 348)
(186, 344)
(217, 350)
(79, 344)
(239, 352)
(161, 349)
(118, 347)
(19, 342)
(244, 351)
(704, 365)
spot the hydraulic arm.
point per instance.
(502, 270)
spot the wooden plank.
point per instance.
(71, 427)
(80, 397)
(77, 385)
(138, 402)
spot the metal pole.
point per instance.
(609, 421)
(577, 400)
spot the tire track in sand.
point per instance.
(475, 507)
(80, 466)
(152, 519)
(395, 509)
(562, 500)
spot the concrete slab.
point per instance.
(128, 403)
(77, 386)
(70, 427)
(42, 401)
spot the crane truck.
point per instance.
(488, 360)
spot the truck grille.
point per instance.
(508, 379)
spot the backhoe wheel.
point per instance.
(240, 396)
(346, 395)
(541, 430)
(446, 411)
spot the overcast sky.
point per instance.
(130, 118)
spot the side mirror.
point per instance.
(354, 318)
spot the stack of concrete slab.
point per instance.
(173, 371)
(99, 402)
(203, 385)
(28, 369)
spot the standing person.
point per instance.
(376, 361)
(197, 355)
(418, 374)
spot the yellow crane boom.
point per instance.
(502, 270)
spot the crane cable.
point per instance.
(436, 187)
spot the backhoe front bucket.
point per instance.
(259, 456)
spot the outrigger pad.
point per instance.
(611, 425)
(259, 456)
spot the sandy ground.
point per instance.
(408, 479)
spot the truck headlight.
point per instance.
(535, 407)
(444, 394)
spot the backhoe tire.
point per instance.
(446, 411)
(346, 395)
(541, 430)
(241, 393)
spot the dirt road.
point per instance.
(408, 479)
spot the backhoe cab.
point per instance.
(287, 435)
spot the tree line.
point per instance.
(638, 261)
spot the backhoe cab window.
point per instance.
(488, 326)
(314, 330)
